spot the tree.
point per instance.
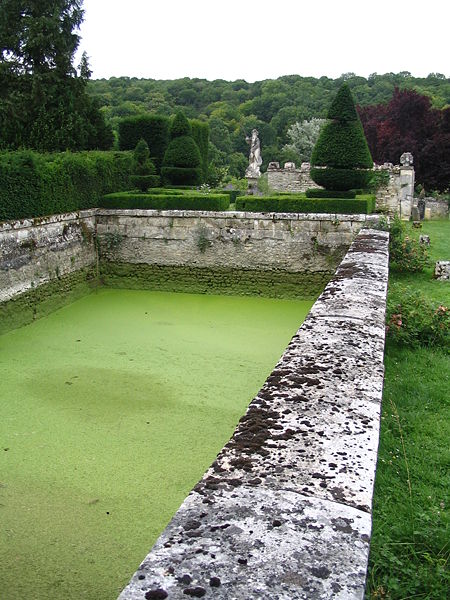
(43, 100)
(409, 123)
(341, 157)
(303, 138)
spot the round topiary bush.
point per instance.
(144, 171)
(182, 160)
(341, 158)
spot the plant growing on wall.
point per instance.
(144, 176)
(341, 158)
(182, 161)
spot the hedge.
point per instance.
(340, 179)
(319, 193)
(233, 194)
(200, 133)
(297, 204)
(36, 185)
(170, 201)
(154, 129)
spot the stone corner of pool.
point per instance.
(285, 509)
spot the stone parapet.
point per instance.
(285, 509)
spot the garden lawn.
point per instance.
(410, 539)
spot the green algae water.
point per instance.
(111, 409)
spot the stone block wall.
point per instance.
(289, 242)
(285, 509)
(47, 262)
(36, 251)
(290, 179)
(44, 263)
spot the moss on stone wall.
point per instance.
(276, 283)
(46, 298)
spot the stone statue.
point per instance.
(254, 159)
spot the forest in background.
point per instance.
(234, 108)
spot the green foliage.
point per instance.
(343, 107)
(340, 179)
(318, 193)
(35, 185)
(413, 320)
(341, 148)
(305, 205)
(233, 108)
(182, 163)
(182, 152)
(181, 175)
(406, 254)
(154, 129)
(43, 101)
(144, 171)
(200, 133)
(180, 126)
(168, 201)
(303, 137)
(378, 179)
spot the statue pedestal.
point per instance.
(252, 185)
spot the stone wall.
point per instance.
(44, 263)
(397, 196)
(290, 178)
(285, 509)
(435, 209)
(47, 262)
(288, 242)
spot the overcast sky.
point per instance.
(241, 39)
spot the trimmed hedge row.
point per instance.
(171, 201)
(318, 193)
(233, 194)
(36, 185)
(297, 204)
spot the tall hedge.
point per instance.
(182, 161)
(200, 133)
(341, 158)
(34, 185)
(154, 129)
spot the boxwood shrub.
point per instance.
(169, 201)
(36, 185)
(297, 204)
(318, 193)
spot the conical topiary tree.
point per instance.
(341, 157)
(182, 161)
(144, 171)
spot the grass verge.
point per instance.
(410, 540)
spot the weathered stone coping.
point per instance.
(25, 223)
(275, 216)
(285, 510)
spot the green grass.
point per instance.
(410, 540)
(111, 409)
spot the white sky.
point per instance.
(239, 39)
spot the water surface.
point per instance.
(111, 409)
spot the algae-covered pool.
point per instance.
(111, 409)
